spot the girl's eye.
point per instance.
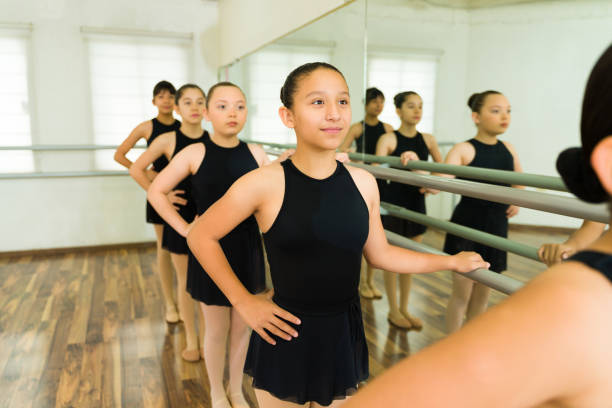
(241, 107)
(221, 106)
(318, 102)
(343, 102)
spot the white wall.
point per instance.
(269, 19)
(539, 56)
(44, 213)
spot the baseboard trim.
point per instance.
(64, 250)
(541, 229)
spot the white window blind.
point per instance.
(123, 72)
(266, 74)
(14, 104)
(395, 73)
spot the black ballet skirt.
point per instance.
(314, 250)
(172, 241)
(405, 195)
(219, 169)
(158, 165)
(483, 215)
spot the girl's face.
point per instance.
(164, 101)
(321, 112)
(494, 117)
(191, 106)
(411, 111)
(375, 106)
(227, 110)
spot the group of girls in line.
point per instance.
(491, 115)
(318, 217)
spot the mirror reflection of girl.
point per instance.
(491, 115)
(319, 217)
(366, 134)
(409, 144)
(190, 100)
(547, 345)
(212, 168)
(163, 100)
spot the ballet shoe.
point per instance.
(399, 321)
(375, 292)
(222, 403)
(365, 291)
(238, 401)
(192, 355)
(416, 323)
(172, 315)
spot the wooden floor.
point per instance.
(86, 329)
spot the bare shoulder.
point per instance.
(428, 137)
(356, 128)
(509, 146)
(365, 181)
(265, 178)
(258, 153)
(387, 137)
(388, 127)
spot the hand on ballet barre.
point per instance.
(468, 261)
(406, 156)
(425, 190)
(551, 254)
(265, 316)
(175, 199)
(512, 211)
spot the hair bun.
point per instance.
(579, 177)
(472, 99)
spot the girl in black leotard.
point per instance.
(549, 343)
(318, 217)
(491, 114)
(190, 102)
(212, 167)
(163, 100)
(405, 142)
(366, 134)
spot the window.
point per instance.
(14, 103)
(123, 71)
(266, 73)
(393, 73)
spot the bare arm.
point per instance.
(380, 254)
(160, 195)
(162, 145)
(142, 131)
(580, 239)
(521, 353)
(513, 209)
(261, 157)
(244, 198)
(354, 131)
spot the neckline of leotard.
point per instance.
(306, 176)
(224, 147)
(178, 131)
(486, 144)
(400, 134)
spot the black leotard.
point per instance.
(483, 215)
(314, 250)
(595, 260)
(159, 164)
(405, 195)
(172, 240)
(219, 169)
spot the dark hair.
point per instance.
(218, 85)
(574, 164)
(401, 97)
(477, 100)
(373, 93)
(182, 89)
(291, 83)
(163, 86)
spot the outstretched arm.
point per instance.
(580, 239)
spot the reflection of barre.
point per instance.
(477, 173)
(472, 234)
(493, 280)
(569, 206)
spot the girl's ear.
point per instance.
(601, 160)
(476, 118)
(286, 116)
